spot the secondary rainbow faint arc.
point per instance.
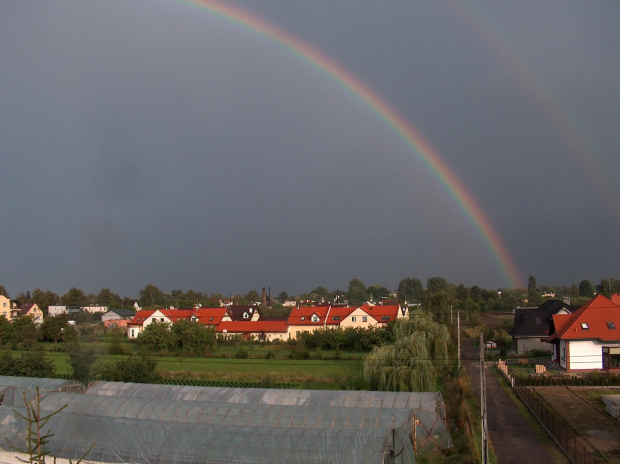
(389, 115)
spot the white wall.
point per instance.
(586, 354)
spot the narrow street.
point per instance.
(512, 439)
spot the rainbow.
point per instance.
(575, 142)
(385, 112)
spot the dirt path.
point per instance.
(513, 440)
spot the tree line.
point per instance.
(436, 291)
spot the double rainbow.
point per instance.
(385, 112)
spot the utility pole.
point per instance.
(458, 342)
(483, 406)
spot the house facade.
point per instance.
(5, 307)
(246, 320)
(531, 326)
(589, 338)
(31, 309)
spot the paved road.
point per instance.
(513, 440)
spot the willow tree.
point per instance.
(411, 362)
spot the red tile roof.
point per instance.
(382, 313)
(598, 319)
(252, 326)
(302, 315)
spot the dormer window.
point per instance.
(246, 315)
(611, 325)
(584, 326)
(315, 318)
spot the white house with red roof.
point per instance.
(589, 338)
(247, 321)
(310, 318)
(262, 330)
(207, 316)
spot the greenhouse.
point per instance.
(129, 440)
(175, 424)
(430, 401)
(43, 384)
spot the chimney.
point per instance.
(615, 298)
(566, 300)
(264, 297)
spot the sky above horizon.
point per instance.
(161, 142)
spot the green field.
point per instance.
(320, 374)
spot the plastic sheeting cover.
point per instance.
(128, 440)
(430, 401)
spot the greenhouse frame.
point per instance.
(171, 424)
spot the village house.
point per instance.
(118, 318)
(589, 338)
(246, 320)
(5, 307)
(30, 309)
(531, 326)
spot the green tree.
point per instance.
(81, 360)
(7, 333)
(158, 334)
(413, 361)
(320, 294)
(410, 290)
(26, 331)
(137, 369)
(282, 296)
(3, 291)
(44, 298)
(252, 297)
(151, 296)
(106, 298)
(586, 289)
(604, 288)
(378, 292)
(357, 293)
(32, 362)
(74, 298)
(194, 338)
(53, 328)
(436, 285)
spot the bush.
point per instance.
(241, 353)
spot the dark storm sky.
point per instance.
(153, 142)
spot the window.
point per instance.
(335, 318)
(611, 357)
(364, 318)
(584, 326)
(353, 319)
(4, 304)
(315, 318)
(302, 318)
(211, 319)
(246, 315)
(385, 318)
(611, 325)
